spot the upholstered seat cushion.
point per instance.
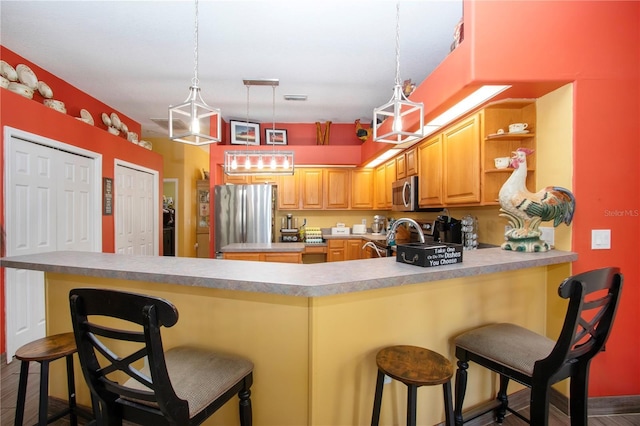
(200, 375)
(507, 344)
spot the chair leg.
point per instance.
(578, 395)
(377, 400)
(501, 411)
(71, 387)
(448, 404)
(539, 408)
(43, 406)
(22, 392)
(246, 417)
(461, 389)
(412, 402)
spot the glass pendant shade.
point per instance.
(202, 121)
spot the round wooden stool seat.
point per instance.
(415, 367)
(44, 351)
(48, 348)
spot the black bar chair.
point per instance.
(516, 353)
(182, 386)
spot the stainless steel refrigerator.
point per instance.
(243, 214)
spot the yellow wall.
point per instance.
(183, 162)
(315, 357)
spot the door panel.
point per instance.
(50, 206)
(135, 211)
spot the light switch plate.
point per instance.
(600, 239)
(548, 235)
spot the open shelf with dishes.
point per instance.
(497, 142)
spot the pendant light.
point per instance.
(203, 121)
(254, 162)
(399, 109)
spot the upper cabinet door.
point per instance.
(461, 148)
(311, 188)
(430, 163)
(288, 192)
(362, 184)
(336, 188)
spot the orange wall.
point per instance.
(535, 45)
(31, 116)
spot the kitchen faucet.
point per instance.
(391, 235)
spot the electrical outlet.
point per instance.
(548, 234)
(600, 239)
(364, 222)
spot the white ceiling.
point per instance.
(138, 56)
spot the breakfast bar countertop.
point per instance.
(320, 279)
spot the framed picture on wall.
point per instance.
(276, 137)
(245, 133)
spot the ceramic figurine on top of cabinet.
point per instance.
(526, 210)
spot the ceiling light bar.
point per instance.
(250, 163)
(262, 82)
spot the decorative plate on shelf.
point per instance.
(8, 72)
(115, 120)
(519, 132)
(86, 116)
(26, 76)
(106, 120)
(45, 90)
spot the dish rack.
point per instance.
(313, 235)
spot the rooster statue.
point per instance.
(525, 210)
(361, 132)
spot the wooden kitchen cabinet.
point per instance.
(311, 188)
(288, 192)
(248, 180)
(280, 257)
(406, 164)
(385, 176)
(340, 249)
(336, 249)
(430, 166)
(336, 187)
(461, 155)
(362, 189)
(354, 249)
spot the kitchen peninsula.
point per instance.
(312, 331)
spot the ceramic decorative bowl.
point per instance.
(27, 76)
(8, 71)
(4, 82)
(113, 130)
(45, 90)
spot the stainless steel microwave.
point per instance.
(404, 195)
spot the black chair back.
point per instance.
(593, 301)
(104, 368)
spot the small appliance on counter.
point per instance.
(359, 229)
(289, 232)
(470, 232)
(447, 230)
(340, 229)
(378, 227)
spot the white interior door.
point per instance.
(136, 210)
(50, 205)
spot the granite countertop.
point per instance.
(312, 280)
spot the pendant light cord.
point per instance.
(195, 80)
(398, 44)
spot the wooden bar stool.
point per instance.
(44, 351)
(415, 367)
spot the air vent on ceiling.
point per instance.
(178, 125)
